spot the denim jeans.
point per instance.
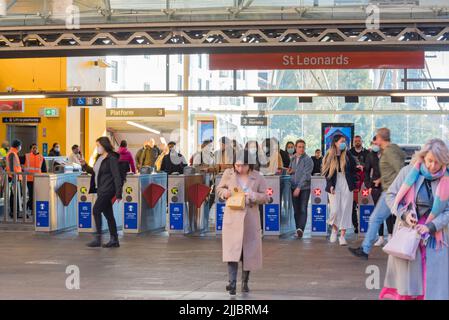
(380, 213)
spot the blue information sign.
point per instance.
(272, 217)
(176, 216)
(319, 218)
(85, 215)
(365, 213)
(130, 209)
(42, 214)
(220, 213)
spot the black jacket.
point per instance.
(371, 164)
(285, 158)
(350, 173)
(109, 179)
(169, 167)
(316, 165)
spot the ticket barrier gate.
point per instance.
(318, 208)
(145, 203)
(365, 208)
(86, 201)
(278, 214)
(55, 201)
(188, 210)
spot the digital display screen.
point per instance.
(329, 130)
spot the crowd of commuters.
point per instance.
(414, 195)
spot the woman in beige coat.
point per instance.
(241, 234)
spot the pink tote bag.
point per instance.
(404, 243)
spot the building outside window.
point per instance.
(114, 66)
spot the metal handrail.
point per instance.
(15, 185)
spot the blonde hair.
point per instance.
(438, 148)
(330, 161)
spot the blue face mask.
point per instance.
(342, 146)
(375, 148)
(290, 150)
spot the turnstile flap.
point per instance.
(153, 193)
(197, 194)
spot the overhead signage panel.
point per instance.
(135, 112)
(318, 60)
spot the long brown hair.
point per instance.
(330, 161)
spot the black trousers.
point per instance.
(300, 205)
(11, 197)
(233, 270)
(355, 218)
(30, 186)
(103, 204)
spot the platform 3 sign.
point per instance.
(318, 60)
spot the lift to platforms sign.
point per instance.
(318, 60)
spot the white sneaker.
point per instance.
(380, 241)
(333, 238)
(342, 241)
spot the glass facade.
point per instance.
(411, 122)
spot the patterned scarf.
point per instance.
(406, 194)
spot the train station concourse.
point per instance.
(224, 152)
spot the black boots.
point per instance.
(232, 287)
(113, 242)
(96, 242)
(245, 278)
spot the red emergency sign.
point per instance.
(365, 193)
(269, 191)
(317, 192)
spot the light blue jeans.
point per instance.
(380, 213)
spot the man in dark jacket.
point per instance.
(173, 161)
(359, 153)
(317, 161)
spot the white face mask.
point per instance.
(57, 149)
(100, 150)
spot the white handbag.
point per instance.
(404, 243)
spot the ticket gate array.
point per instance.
(318, 208)
(55, 201)
(188, 210)
(86, 201)
(278, 214)
(145, 203)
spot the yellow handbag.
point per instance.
(237, 200)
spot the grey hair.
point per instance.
(438, 148)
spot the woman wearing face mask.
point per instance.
(253, 150)
(241, 228)
(287, 154)
(339, 168)
(55, 151)
(106, 181)
(419, 198)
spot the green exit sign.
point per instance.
(51, 112)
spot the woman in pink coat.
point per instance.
(126, 156)
(241, 234)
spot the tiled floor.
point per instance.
(161, 267)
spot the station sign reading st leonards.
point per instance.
(318, 60)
